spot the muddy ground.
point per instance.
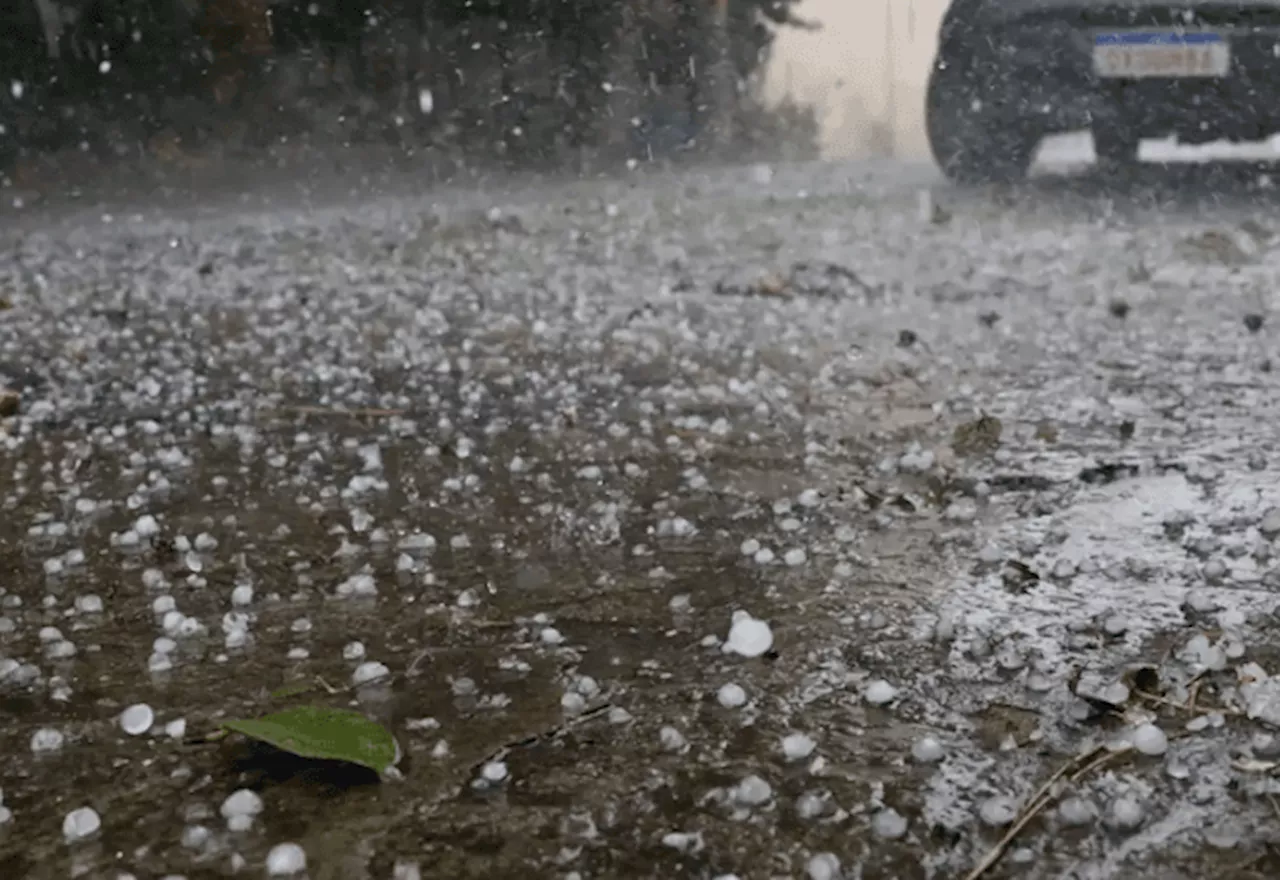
(994, 467)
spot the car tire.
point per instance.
(972, 142)
(1116, 148)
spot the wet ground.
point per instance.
(990, 469)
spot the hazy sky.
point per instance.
(845, 68)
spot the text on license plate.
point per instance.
(1142, 54)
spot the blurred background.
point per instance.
(863, 72)
(478, 83)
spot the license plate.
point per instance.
(1166, 54)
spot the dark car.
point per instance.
(1009, 72)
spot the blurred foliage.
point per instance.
(528, 79)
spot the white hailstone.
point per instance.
(889, 824)
(53, 567)
(242, 595)
(240, 809)
(573, 703)
(195, 836)
(158, 663)
(794, 557)
(551, 636)
(297, 654)
(671, 739)
(880, 693)
(1126, 814)
(749, 547)
(1076, 811)
(81, 824)
(368, 672)
(797, 746)
(752, 791)
(683, 841)
(89, 604)
(493, 772)
(362, 584)
(286, 859)
(748, 636)
(353, 651)
(998, 811)
(823, 866)
(731, 696)
(763, 556)
(145, 528)
(176, 729)
(927, 750)
(46, 740)
(137, 719)
(1150, 740)
(6, 815)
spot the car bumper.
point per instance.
(1043, 71)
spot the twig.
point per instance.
(1189, 705)
(1100, 760)
(368, 412)
(533, 739)
(1193, 688)
(1038, 802)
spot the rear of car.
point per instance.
(1009, 72)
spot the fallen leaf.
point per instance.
(323, 734)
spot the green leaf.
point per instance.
(323, 734)
(293, 689)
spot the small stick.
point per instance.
(1189, 705)
(1038, 802)
(369, 412)
(1099, 761)
(1193, 688)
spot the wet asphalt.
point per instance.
(976, 458)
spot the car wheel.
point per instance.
(971, 140)
(1116, 147)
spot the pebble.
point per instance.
(286, 859)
